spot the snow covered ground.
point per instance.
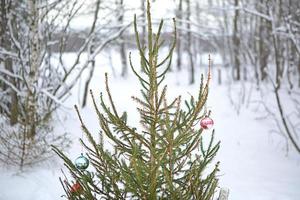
(254, 164)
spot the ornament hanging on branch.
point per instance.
(82, 162)
(206, 123)
(76, 188)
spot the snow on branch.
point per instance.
(6, 72)
(3, 79)
(259, 14)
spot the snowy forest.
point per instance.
(244, 54)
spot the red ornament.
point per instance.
(206, 123)
(76, 188)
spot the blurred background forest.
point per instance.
(52, 50)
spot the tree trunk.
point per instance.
(122, 45)
(179, 34)
(227, 44)
(34, 59)
(87, 83)
(298, 64)
(236, 42)
(277, 45)
(256, 49)
(263, 51)
(189, 43)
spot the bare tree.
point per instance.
(278, 36)
(6, 60)
(34, 81)
(91, 50)
(108, 31)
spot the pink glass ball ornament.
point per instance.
(206, 123)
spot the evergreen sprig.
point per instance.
(166, 157)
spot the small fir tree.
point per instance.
(166, 159)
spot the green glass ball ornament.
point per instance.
(82, 162)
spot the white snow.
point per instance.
(254, 163)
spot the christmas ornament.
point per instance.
(76, 188)
(206, 123)
(82, 162)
